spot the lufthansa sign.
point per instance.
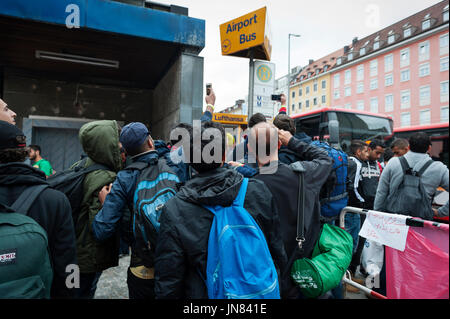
(230, 118)
(250, 31)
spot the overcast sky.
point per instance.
(324, 26)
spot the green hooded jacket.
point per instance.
(100, 141)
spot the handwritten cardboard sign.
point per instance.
(387, 229)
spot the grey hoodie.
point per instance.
(435, 176)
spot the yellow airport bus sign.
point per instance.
(225, 118)
(251, 31)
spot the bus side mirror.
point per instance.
(333, 130)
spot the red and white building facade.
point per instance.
(401, 71)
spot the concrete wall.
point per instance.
(178, 96)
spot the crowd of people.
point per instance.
(173, 261)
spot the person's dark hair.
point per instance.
(375, 143)
(175, 139)
(400, 143)
(35, 148)
(284, 122)
(255, 119)
(419, 142)
(212, 135)
(388, 154)
(11, 155)
(357, 145)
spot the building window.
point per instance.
(339, 61)
(424, 117)
(444, 91)
(424, 95)
(424, 70)
(293, 94)
(404, 75)
(405, 97)
(388, 79)
(307, 90)
(348, 77)
(391, 39)
(293, 107)
(315, 101)
(445, 15)
(405, 119)
(373, 67)
(389, 103)
(444, 114)
(317, 71)
(424, 51)
(444, 64)
(376, 45)
(315, 86)
(374, 84)
(325, 68)
(300, 92)
(360, 105)
(336, 94)
(360, 73)
(350, 56)
(443, 44)
(404, 57)
(362, 51)
(324, 84)
(360, 87)
(348, 106)
(374, 105)
(324, 99)
(300, 106)
(348, 91)
(407, 32)
(337, 80)
(307, 103)
(426, 24)
(388, 63)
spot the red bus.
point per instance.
(341, 126)
(439, 138)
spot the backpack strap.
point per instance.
(405, 166)
(240, 198)
(298, 168)
(425, 167)
(27, 198)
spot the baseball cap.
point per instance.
(11, 136)
(133, 135)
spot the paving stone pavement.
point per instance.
(113, 281)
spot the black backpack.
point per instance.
(156, 184)
(410, 197)
(70, 182)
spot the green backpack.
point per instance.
(25, 268)
(330, 258)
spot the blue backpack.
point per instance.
(333, 195)
(239, 264)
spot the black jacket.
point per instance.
(181, 252)
(284, 186)
(52, 211)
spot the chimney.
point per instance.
(346, 49)
(355, 40)
(311, 61)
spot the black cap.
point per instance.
(11, 136)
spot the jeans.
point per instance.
(88, 285)
(353, 226)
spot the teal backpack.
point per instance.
(25, 268)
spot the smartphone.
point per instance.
(276, 97)
(208, 88)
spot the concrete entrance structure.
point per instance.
(100, 59)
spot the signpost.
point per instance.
(248, 36)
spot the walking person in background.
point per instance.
(400, 147)
(6, 114)
(34, 153)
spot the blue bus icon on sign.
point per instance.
(264, 73)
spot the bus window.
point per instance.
(310, 126)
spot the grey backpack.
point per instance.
(410, 197)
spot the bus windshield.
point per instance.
(354, 126)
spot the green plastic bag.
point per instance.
(330, 259)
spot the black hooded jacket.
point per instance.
(52, 211)
(181, 252)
